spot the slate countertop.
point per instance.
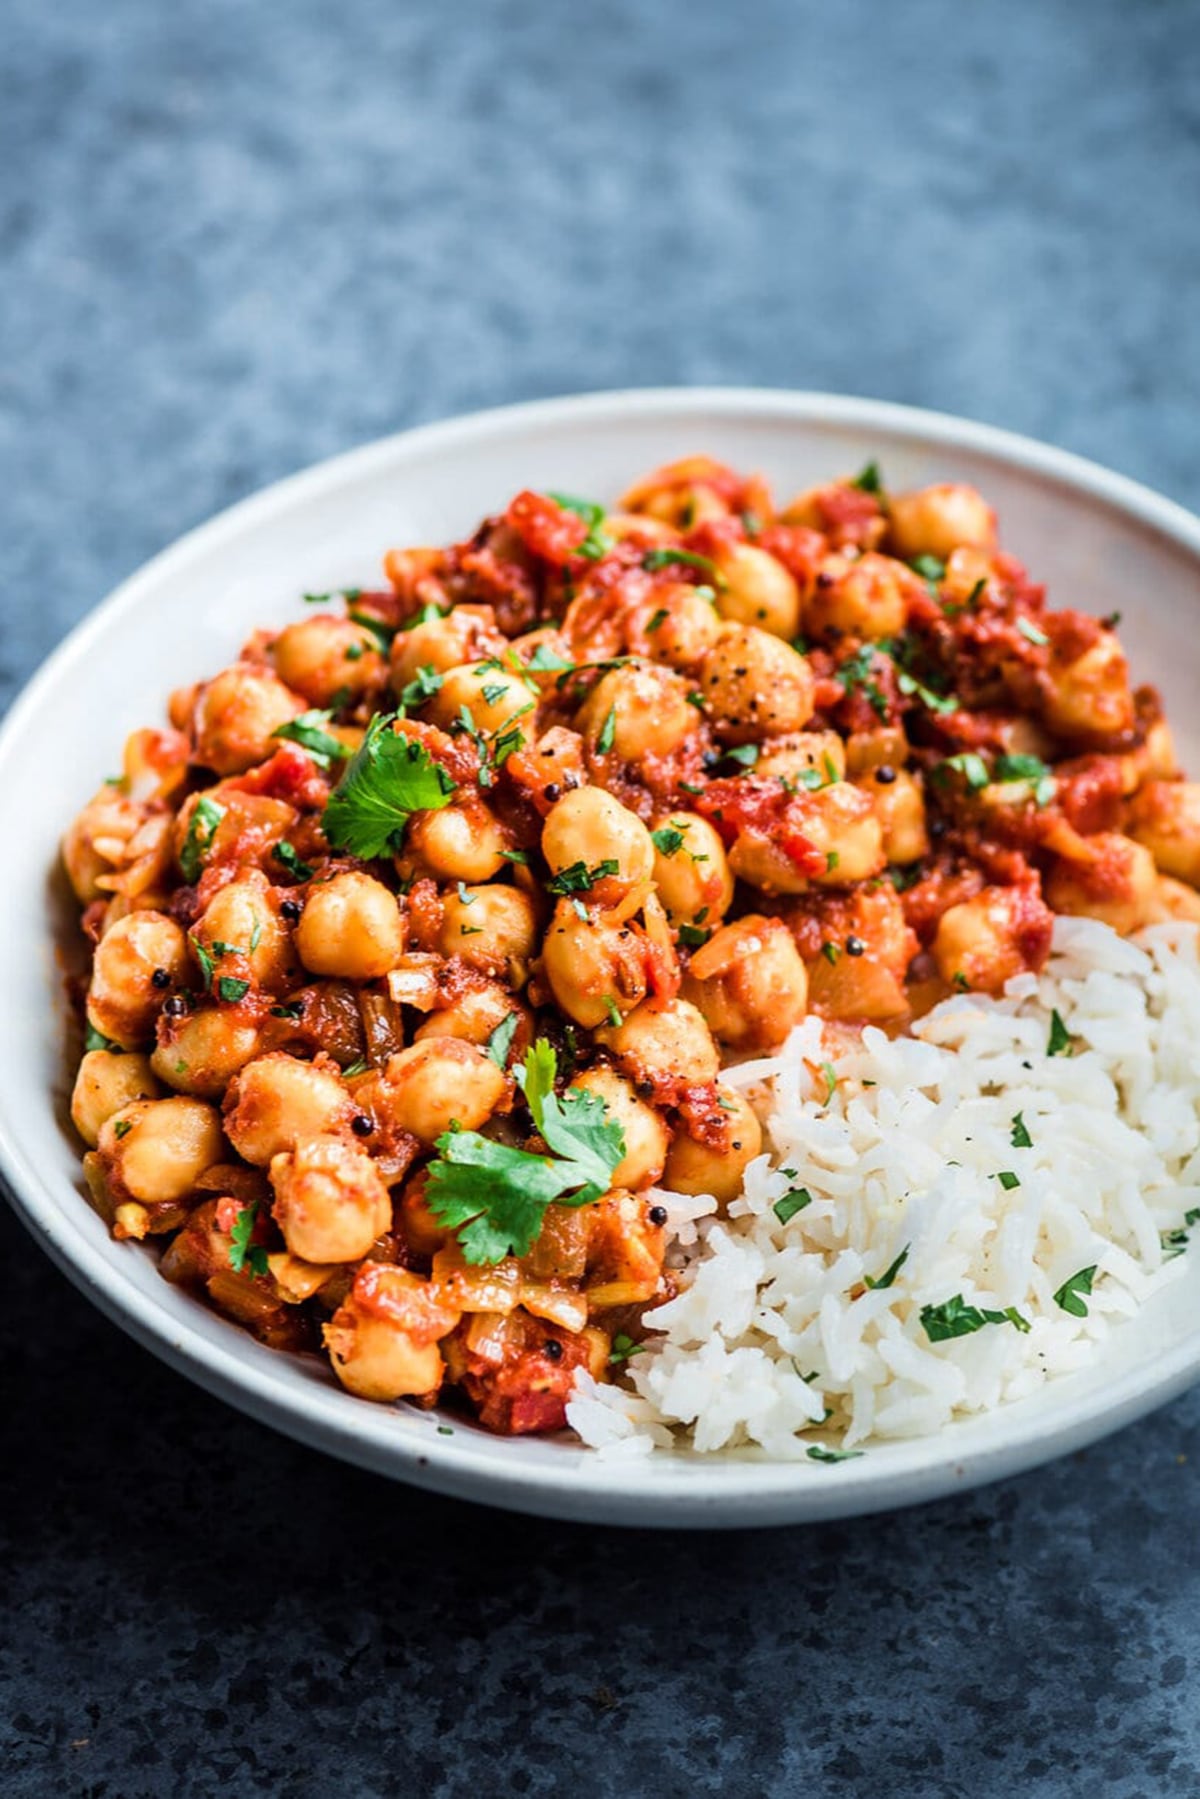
(238, 238)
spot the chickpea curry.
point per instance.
(419, 938)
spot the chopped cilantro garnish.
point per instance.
(383, 634)
(1060, 1043)
(309, 732)
(1020, 1133)
(955, 1318)
(94, 1039)
(831, 953)
(597, 543)
(608, 732)
(869, 479)
(230, 989)
(785, 1209)
(122, 1128)
(243, 1254)
(623, 1347)
(831, 1080)
(1008, 1180)
(579, 878)
(1030, 632)
(285, 854)
(613, 1010)
(816, 1453)
(855, 675)
(494, 1196)
(1070, 1296)
(662, 558)
(1030, 769)
(887, 1278)
(971, 767)
(499, 1041)
(744, 754)
(201, 830)
(667, 840)
(693, 936)
(424, 685)
(389, 778)
(205, 960)
(931, 570)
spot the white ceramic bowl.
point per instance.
(1101, 542)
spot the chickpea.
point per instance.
(476, 1017)
(758, 590)
(899, 806)
(866, 598)
(330, 1200)
(105, 1084)
(351, 927)
(644, 1131)
(1089, 696)
(936, 521)
(593, 966)
(492, 928)
(235, 715)
(157, 1149)
(662, 1040)
(241, 914)
(692, 877)
(1165, 816)
(749, 982)
(468, 634)
(676, 625)
(843, 829)
(277, 1101)
(434, 1084)
(97, 841)
(1115, 880)
(125, 998)
(324, 657)
(588, 825)
(755, 686)
(982, 942)
(201, 1052)
(801, 754)
(493, 696)
(1177, 900)
(463, 842)
(866, 751)
(694, 1168)
(382, 1340)
(649, 708)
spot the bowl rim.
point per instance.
(666, 1491)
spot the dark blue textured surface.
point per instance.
(239, 237)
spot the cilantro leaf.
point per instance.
(818, 1454)
(656, 559)
(869, 479)
(971, 767)
(667, 840)
(243, 1253)
(424, 685)
(1070, 1295)
(202, 827)
(785, 1209)
(499, 1041)
(94, 1039)
(308, 731)
(389, 778)
(623, 1347)
(955, 1318)
(597, 543)
(286, 855)
(887, 1278)
(1020, 1133)
(579, 878)
(494, 1196)
(1060, 1043)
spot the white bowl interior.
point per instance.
(1099, 542)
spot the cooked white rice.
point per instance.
(775, 1335)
